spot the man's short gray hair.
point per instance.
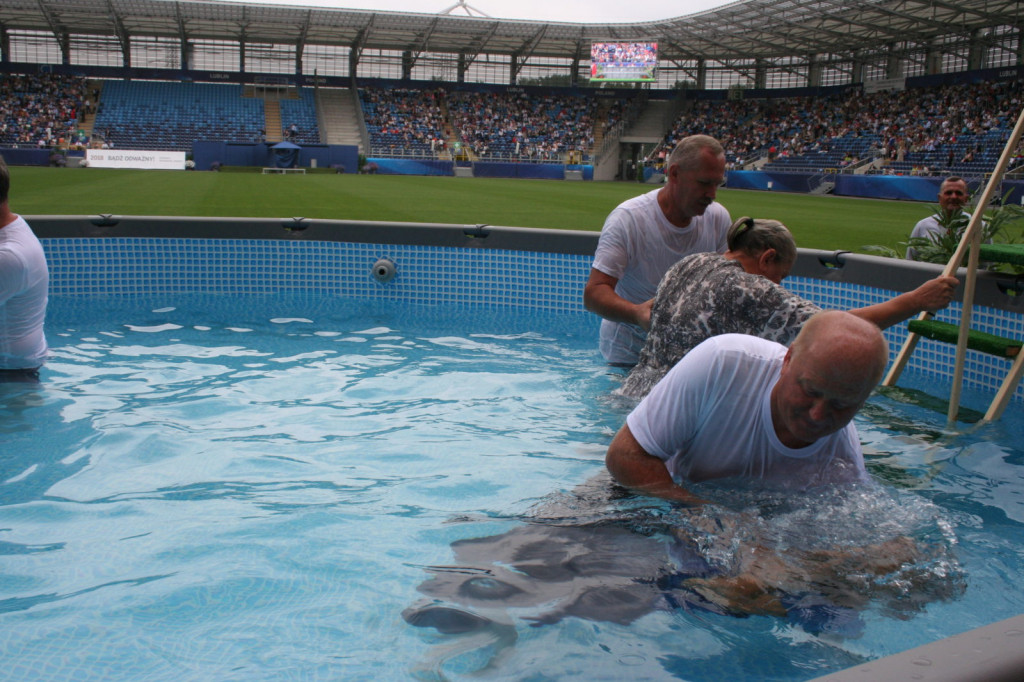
(687, 153)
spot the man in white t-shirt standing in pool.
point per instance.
(743, 407)
(24, 290)
(645, 236)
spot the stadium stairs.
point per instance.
(272, 121)
(340, 117)
(87, 121)
(650, 124)
(602, 117)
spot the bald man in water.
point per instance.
(742, 407)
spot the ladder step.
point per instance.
(976, 340)
(1002, 253)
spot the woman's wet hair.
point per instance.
(754, 237)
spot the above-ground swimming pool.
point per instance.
(250, 459)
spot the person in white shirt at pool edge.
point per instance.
(24, 293)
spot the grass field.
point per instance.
(820, 222)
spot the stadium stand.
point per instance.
(941, 130)
(302, 113)
(516, 125)
(956, 129)
(171, 116)
(491, 125)
(403, 121)
(40, 109)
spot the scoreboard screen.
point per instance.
(623, 62)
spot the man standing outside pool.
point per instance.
(742, 407)
(24, 291)
(953, 197)
(645, 236)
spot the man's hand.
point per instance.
(643, 314)
(936, 294)
(599, 297)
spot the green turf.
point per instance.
(820, 222)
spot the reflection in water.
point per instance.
(26, 474)
(817, 560)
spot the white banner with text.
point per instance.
(135, 158)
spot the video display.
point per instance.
(623, 62)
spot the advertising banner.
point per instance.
(135, 158)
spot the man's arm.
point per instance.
(599, 297)
(933, 295)
(633, 468)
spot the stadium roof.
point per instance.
(749, 29)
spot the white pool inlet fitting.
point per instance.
(384, 270)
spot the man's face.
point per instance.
(953, 196)
(697, 188)
(814, 397)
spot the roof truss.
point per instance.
(749, 29)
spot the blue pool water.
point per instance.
(259, 487)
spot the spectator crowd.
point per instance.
(403, 120)
(944, 125)
(513, 123)
(932, 130)
(41, 109)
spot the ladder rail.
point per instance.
(965, 327)
(1005, 392)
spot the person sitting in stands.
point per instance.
(24, 290)
(708, 294)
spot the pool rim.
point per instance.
(1001, 291)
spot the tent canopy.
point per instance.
(287, 154)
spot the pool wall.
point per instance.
(993, 653)
(460, 266)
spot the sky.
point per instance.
(577, 11)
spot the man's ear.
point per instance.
(767, 257)
(787, 358)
